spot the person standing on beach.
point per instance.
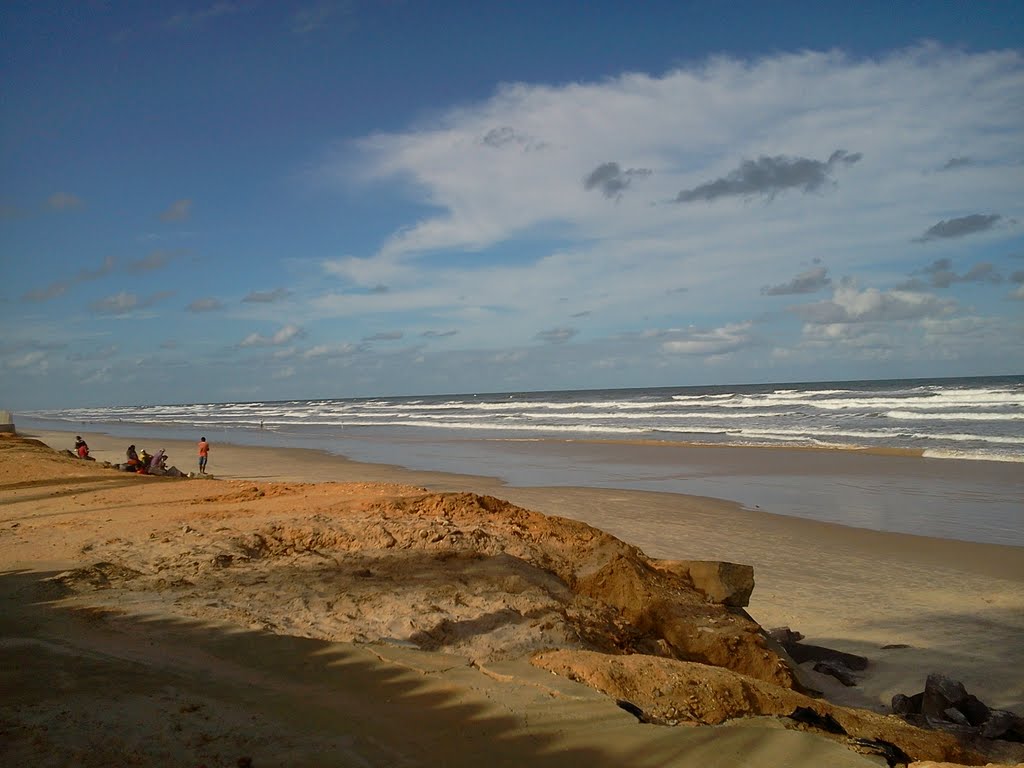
(204, 453)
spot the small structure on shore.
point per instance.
(6, 421)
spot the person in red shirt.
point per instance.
(204, 453)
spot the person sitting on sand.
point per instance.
(133, 463)
(82, 448)
(158, 462)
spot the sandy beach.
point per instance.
(111, 674)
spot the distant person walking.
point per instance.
(204, 453)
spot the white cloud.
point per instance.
(716, 341)
(502, 179)
(286, 334)
(35, 359)
(901, 113)
(849, 304)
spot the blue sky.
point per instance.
(225, 201)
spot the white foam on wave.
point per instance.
(937, 453)
(954, 416)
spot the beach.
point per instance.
(941, 605)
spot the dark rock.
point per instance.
(784, 635)
(810, 717)
(952, 690)
(1003, 725)
(802, 652)
(838, 670)
(940, 723)
(902, 705)
(976, 712)
(954, 715)
(892, 646)
(941, 693)
(633, 709)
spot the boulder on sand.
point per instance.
(721, 582)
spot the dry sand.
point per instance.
(172, 677)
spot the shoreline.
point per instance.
(958, 500)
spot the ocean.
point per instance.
(968, 418)
(971, 431)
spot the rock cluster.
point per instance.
(827, 661)
(945, 705)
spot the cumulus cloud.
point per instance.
(286, 334)
(714, 341)
(205, 305)
(940, 274)
(850, 304)
(267, 297)
(689, 125)
(556, 335)
(611, 179)
(506, 135)
(768, 176)
(965, 225)
(330, 350)
(806, 282)
(178, 211)
(64, 201)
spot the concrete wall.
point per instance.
(6, 421)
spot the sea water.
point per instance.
(609, 438)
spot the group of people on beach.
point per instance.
(144, 463)
(141, 461)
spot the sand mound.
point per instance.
(459, 573)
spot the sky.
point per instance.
(222, 201)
